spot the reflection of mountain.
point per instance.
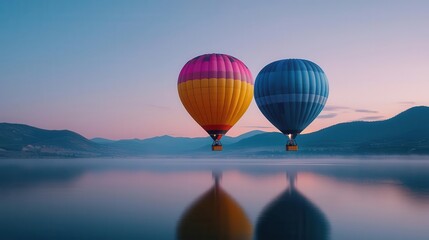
(14, 176)
(215, 215)
(292, 216)
(410, 177)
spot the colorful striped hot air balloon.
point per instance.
(216, 90)
(291, 93)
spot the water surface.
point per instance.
(328, 198)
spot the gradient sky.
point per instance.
(109, 68)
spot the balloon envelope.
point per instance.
(216, 90)
(291, 93)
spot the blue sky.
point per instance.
(109, 68)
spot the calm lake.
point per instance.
(327, 198)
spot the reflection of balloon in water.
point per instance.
(291, 93)
(292, 216)
(215, 215)
(216, 90)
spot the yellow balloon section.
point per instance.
(216, 90)
(216, 101)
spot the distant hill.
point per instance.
(170, 145)
(406, 133)
(102, 140)
(20, 140)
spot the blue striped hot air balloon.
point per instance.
(291, 93)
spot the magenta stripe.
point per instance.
(215, 66)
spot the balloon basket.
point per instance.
(216, 147)
(291, 147)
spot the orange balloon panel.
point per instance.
(216, 90)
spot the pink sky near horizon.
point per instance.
(382, 95)
(110, 70)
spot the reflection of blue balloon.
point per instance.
(291, 93)
(292, 216)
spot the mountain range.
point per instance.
(406, 133)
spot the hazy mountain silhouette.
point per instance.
(406, 133)
(168, 144)
(23, 140)
(102, 140)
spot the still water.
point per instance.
(327, 198)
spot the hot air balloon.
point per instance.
(216, 90)
(291, 93)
